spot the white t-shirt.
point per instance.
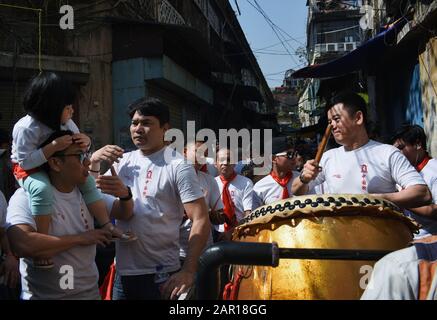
(3, 210)
(373, 168)
(267, 190)
(241, 190)
(159, 190)
(71, 217)
(28, 134)
(429, 174)
(396, 277)
(214, 202)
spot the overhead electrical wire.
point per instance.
(272, 26)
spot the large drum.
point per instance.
(358, 222)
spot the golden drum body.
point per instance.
(358, 222)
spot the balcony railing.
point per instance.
(321, 48)
(334, 5)
(168, 14)
(247, 78)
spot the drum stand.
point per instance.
(263, 254)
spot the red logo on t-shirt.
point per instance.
(148, 178)
(364, 174)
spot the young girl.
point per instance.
(48, 104)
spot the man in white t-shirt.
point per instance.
(277, 185)
(236, 191)
(411, 140)
(71, 240)
(163, 186)
(9, 271)
(406, 274)
(211, 193)
(362, 165)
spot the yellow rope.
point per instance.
(39, 41)
(39, 11)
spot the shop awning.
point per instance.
(369, 53)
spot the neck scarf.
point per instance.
(283, 183)
(229, 207)
(424, 162)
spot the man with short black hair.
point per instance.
(411, 141)
(71, 240)
(162, 186)
(9, 271)
(361, 165)
(278, 184)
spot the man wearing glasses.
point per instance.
(71, 240)
(277, 185)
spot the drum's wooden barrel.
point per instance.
(360, 222)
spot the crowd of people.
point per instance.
(162, 208)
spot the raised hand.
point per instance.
(110, 153)
(62, 143)
(82, 140)
(310, 171)
(112, 185)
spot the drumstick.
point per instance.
(322, 144)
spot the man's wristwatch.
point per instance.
(129, 195)
(302, 180)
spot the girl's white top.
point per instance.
(28, 134)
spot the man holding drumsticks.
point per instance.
(361, 165)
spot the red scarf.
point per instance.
(424, 162)
(204, 168)
(229, 207)
(283, 183)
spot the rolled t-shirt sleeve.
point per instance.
(187, 183)
(248, 196)
(403, 173)
(19, 210)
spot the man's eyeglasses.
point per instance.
(290, 154)
(82, 156)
